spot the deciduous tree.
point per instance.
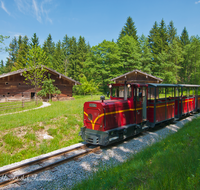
(34, 74)
(48, 88)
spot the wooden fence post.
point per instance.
(22, 102)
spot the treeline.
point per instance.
(164, 54)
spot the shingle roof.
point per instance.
(138, 72)
(22, 70)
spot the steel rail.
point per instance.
(48, 167)
(6, 171)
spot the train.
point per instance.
(134, 107)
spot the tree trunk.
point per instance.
(36, 103)
(49, 96)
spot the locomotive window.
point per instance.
(118, 91)
(139, 94)
(129, 93)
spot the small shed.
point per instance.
(136, 76)
(14, 87)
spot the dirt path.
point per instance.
(45, 104)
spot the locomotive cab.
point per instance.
(124, 115)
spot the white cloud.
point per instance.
(4, 8)
(197, 2)
(23, 5)
(35, 8)
(37, 11)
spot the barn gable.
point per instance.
(136, 76)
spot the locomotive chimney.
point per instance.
(102, 98)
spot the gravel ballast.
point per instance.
(70, 173)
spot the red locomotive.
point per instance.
(135, 107)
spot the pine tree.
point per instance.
(65, 49)
(2, 67)
(49, 48)
(34, 41)
(184, 37)
(82, 51)
(146, 55)
(158, 41)
(72, 57)
(129, 29)
(185, 72)
(170, 65)
(65, 45)
(19, 42)
(58, 58)
(50, 45)
(163, 36)
(22, 56)
(13, 50)
(153, 38)
(130, 54)
(172, 32)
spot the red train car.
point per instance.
(135, 107)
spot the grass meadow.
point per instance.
(173, 163)
(21, 134)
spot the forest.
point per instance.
(164, 54)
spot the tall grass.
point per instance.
(173, 163)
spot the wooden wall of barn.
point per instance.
(14, 87)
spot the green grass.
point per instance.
(62, 120)
(17, 106)
(173, 163)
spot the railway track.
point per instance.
(67, 155)
(83, 150)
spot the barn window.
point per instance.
(8, 92)
(6, 83)
(3, 95)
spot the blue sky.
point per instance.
(93, 19)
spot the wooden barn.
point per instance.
(136, 76)
(14, 87)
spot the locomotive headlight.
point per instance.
(128, 85)
(110, 86)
